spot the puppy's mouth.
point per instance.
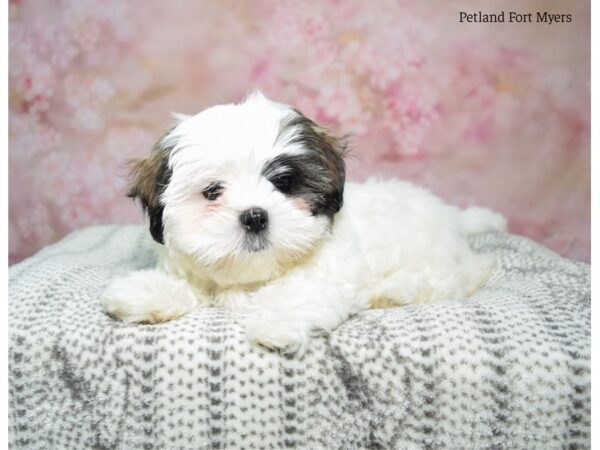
(254, 242)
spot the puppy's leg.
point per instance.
(286, 314)
(438, 282)
(148, 296)
(403, 288)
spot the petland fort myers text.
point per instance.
(514, 17)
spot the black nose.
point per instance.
(254, 219)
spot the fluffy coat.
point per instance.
(305, 263)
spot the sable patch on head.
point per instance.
(317, 175)
(149, 178)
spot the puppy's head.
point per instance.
(243, 189)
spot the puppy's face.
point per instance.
(243, 189)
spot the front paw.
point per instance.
(276, 331)
(148, 296)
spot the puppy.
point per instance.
(245, 201)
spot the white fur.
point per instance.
(391, 244)
(149, 296)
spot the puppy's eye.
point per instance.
(283, 182)
(213, 191)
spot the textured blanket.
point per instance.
(508, 368)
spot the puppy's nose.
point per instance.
(254, 219)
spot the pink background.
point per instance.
(490, 114)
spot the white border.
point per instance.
(4, 220)
(595, 37)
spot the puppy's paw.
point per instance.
(276, 331)
(148, 296)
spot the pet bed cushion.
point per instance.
(508, 368)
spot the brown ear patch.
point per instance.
(333, 152)
(148, 179)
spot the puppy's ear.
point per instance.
(329, 152)
(320, 166)
(333, 150)
(148, 179)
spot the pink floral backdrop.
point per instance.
(490, 114)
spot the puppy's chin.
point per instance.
(254, 260)
(259, 261)
(252, 266)
(254, 243)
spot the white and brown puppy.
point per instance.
(246, 202)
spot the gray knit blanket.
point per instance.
(507, 369)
